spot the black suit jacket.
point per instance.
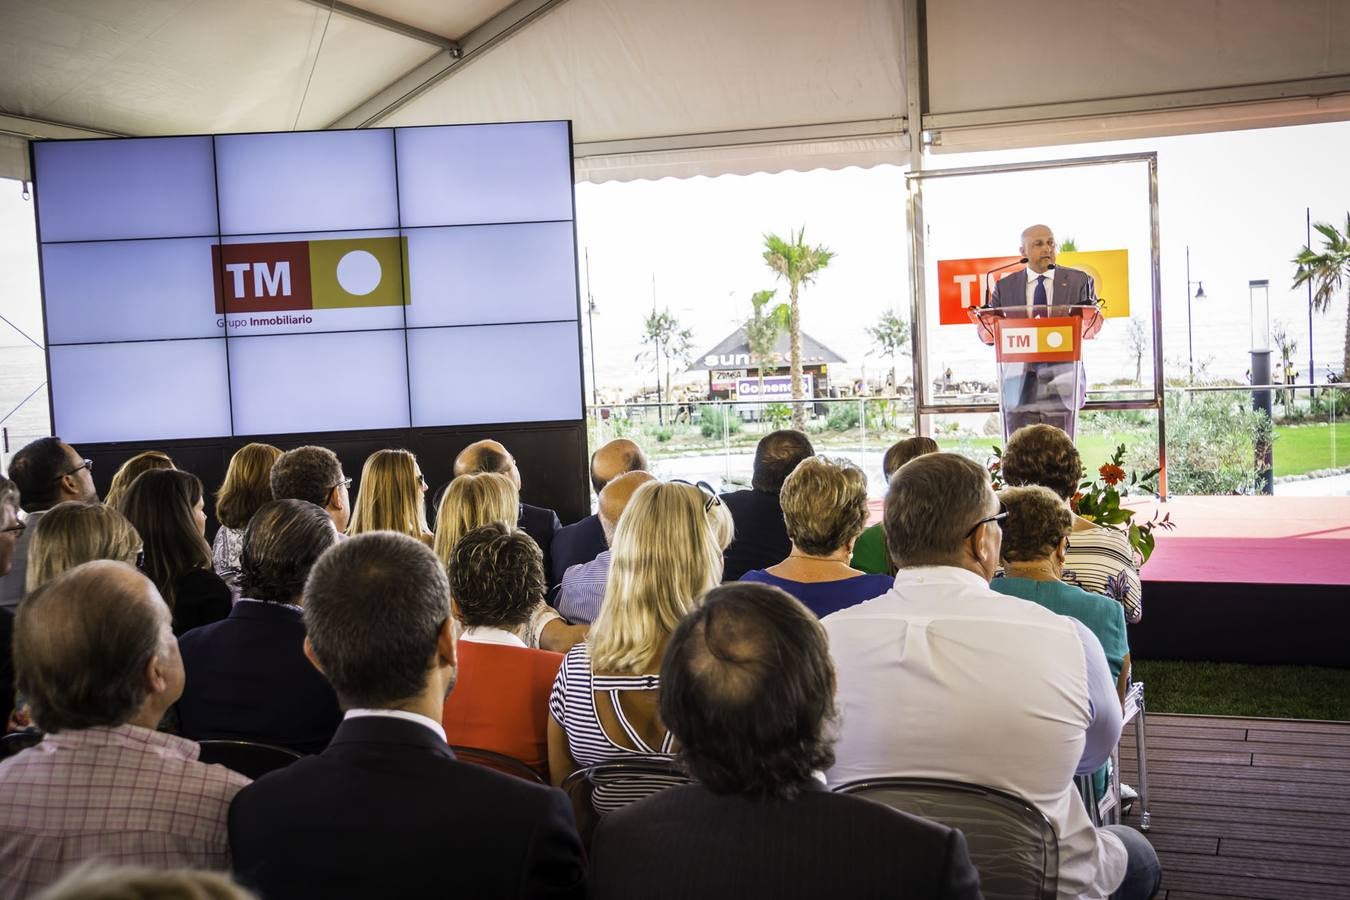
(761, 536)
(541, 524)
(577, 543)
(387, 811)
(689, 842)
(248, 680)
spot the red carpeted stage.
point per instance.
(1246, 579)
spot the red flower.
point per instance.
(1112, 474)
(1073, 502)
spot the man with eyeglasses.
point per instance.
(47, 472)
(943, 677)
(314, 474)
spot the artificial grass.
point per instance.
(1230, 689)
(1307, 448)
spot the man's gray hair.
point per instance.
(9, 494)
(374, 608)
(931, 505)
(82, 642)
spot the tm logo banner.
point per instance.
(301, 275)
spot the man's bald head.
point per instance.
(1038, 246)
(613, 459)
(83, 643)
(614, 499)
(487, 456)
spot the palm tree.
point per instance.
(662, 331)
(762, 331)
(797, 264)
(1327, 272)
(890, 337)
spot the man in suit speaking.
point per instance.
(1042, 392)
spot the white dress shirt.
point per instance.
(486, 634)
(1049, 275)
(399, 714)
(943, 677)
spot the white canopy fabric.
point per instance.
(655, 89)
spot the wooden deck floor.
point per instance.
(1255, 808)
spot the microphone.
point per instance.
(988, 290)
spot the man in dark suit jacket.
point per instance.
(387, 810)
(247, 675)
(583, 541)
(747, 688)
(538, 522)
(761, 536)
(1041, 392)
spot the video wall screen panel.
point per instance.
(309, 281)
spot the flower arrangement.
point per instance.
(1098, 500)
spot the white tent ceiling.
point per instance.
(657, 88)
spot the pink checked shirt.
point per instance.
(124, 795)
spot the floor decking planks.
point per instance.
(1247, 808)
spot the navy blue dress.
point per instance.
(825, 597)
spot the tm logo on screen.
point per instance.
(304, 275)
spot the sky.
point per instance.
(693, 246)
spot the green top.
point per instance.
(869, 552)
(1103, 616)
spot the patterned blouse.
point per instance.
(1098, 555)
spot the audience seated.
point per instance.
(387, 810)
(1035, 535)
(75, 532)
(943, 677)
(666, 555)
(166, 507)
(96, 881)
(247, 676)
(313, 474)
(247, 486)
(824, 508)
(748, 691)
(131, 469)
(392, 496)
(96, 659)
(500, 701)
(478, 498)
(536, 521)
(1045, 455)
(761, 537)
(10, 528)
(869, 551)
(583, 585)
(583, 541)
(47, 471)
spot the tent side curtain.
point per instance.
(637, 70)
(14, 157)
(990, 63)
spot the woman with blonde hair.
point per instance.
(392, 497)
(77, 532)
(247, 487)
(475, 499)
(825, 509)
(131, 469)
(667, 553)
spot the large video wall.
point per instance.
(301, 282)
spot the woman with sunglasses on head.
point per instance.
(393, 497)
(825, 509)
(166, 507)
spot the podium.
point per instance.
(1039, 352)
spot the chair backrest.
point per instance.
(18, 741)
(605, 787)
(248, 758)
(490, 759)
(1012, 843)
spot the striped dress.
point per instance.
(572, 705)
(1096, 554)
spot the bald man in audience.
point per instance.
(538, 522)
(583, 541)
(96, 658)
(583, 586)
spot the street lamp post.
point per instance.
(1263, 400)
(1199, 295)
